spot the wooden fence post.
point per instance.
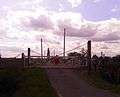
(28, 56)
(23, 59)
(0, 56)
(0, 60)
(48, 53)
(89, 56)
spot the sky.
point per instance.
(24, 22)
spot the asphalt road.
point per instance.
(68, 84)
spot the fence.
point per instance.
(32, 60)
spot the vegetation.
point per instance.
(95, 79)
(8, 82)
(105, 72)
(25, 83)
(107, 67)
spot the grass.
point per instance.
(25, 83)
(94, 79)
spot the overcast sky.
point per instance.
(24, 22)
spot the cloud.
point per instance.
(42, 22)
(11, 48)
(104, 47)
(28, 23)
(108, 37)
(74, 30)
(47, 39)
(56, 22)
(2, 34)
(113, 42)
(8, 51)
(108, 30)
(96, 1)
(75, 3)
(116, 8)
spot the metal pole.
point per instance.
(64, 44)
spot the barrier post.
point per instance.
(89, 56)
(28, 56)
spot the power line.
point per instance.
(17, 55)
(36, 52)
(74, 48)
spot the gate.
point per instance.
(79, 59)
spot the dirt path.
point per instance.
(68, 84)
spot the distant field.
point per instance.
(25, 83)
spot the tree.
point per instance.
(116, 67)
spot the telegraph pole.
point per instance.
(64, 44)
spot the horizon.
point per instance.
(24, 23)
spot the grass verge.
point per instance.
(25, 83)
(94, 79)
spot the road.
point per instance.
(68, 84)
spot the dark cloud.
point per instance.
(85, 30)
(108, 37)
(73, 31)
(42, 22)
